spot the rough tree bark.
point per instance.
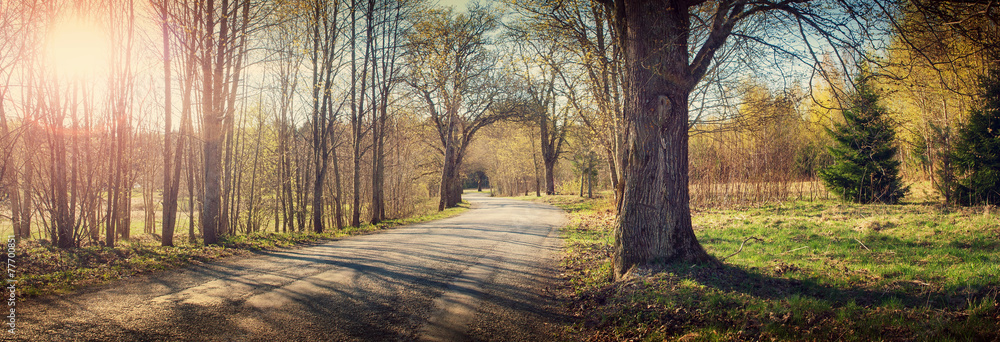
(654, 222)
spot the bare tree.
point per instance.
(288, 28)
(547, 75)
(452, 71)
(16, 21)
(358, 128)
(669, 46)
(389, 20)
(585, 29)
(222, 31)
(171, 168)
(324, 40)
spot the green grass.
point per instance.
(44, 269)
(822, 271)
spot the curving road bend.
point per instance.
(481, 275)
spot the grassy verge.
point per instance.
(819, 271)
(44, 269)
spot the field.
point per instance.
(822, 270)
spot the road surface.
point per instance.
(482, 275)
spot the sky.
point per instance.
(457, 4)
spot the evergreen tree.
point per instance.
(865, 169)
(977, 152)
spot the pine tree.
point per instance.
(977, 152)
(865, 169)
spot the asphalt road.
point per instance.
(483, 275)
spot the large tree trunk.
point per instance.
(447, 175)
(456, 189)
(451, 185)
(654, 224)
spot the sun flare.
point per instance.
(77, 48)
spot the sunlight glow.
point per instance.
(77, 48)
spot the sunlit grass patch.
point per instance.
(821, 271)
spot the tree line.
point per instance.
(230, 116)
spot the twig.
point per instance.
(794, 250)
(741, 247)
(863, 244)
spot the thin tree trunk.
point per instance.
(534, 161)
(61, 218)
(24, 229)
(171, 171)
(190, 184)
(590, 184)
(338, 210)
(357, 112)
(211, 132)
(9, 174)
(229, 51)
(378, 168)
